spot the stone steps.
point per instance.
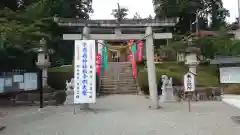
(118, 79)
(128, 76)
(106, 92)
(127, 83)
(108, 85)
(112, 89)
(121, 80)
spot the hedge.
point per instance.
(207, 75)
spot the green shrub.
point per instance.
(141, 63)
(60, 97)
(61, 69)
(181, 63)
(143, 79)
(49, 89)
(57, 80)
(204, 63)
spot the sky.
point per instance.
(103, 8)
(233, 9)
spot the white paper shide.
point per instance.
(84, 72)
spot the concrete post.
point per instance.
(86, 33)
(118, 32)
(85, 36)
(151, 68)
(239, 13)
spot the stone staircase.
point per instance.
(118, 79)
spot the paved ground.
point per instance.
(233, 100)
(123, 115)
(237, 97)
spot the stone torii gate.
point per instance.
(143, 29)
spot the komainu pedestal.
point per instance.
(167, 90)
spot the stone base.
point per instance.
(167, 95)
(70, 97)
(140, 93)
(164, 100)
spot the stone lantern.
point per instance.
(43, 60)
(191, 58)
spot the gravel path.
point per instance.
(123, 115)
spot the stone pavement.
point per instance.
(233, 100)
(123, 115)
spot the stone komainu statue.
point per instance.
(70, 85)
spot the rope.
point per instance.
(112, 50)
(109, 46)
(126, 41)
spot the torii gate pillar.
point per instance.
(151, 68)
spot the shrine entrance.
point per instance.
(118, 52)
(115, 56)
(114, 37)
(116, 34)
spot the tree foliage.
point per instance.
(25, 22)
(137, 16)
(219, 45)
(186, 11)
(120, 13)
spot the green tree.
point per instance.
(23, 26)
(187, 10)
(15, 5)
(219, 45)
(218, 14)
(120, 13)
(149, 17)
(17, 31)
(136, 16)
(11, 4)
(44, 10)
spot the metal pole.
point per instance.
(40, 87)
(189, 102)
(151, 69)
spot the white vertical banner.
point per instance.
(84, 72)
